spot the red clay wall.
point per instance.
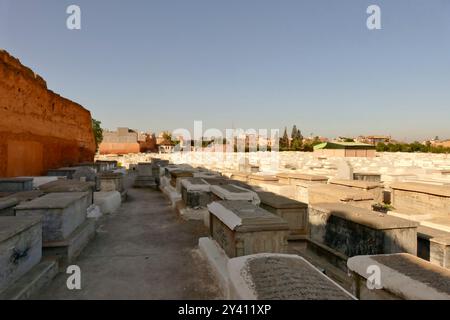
(39, 130)
(118, 148)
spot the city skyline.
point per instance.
(244, 65)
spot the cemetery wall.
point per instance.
(39, 130)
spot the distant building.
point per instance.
(147, 142)
(374, 139)
(344, 149)
(121, 141)
(440, 143)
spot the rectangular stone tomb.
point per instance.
(110, 181)
(241, 228)
(280, 277)
(421, 198)
(233, 192)
(294, 212)
(160, 162)
(287, 190)
(145, 182)
(8, 203)
(402, 276)
(217, 181)
(62, 213)
(341, 231)
(195, 192)
(239, 176)
(169, 168)
(145, 169)
(179, 174)
(302, 182)
(257, 179)
(295, 178)
(67, 172)
(16, 184)
(70, 186)
(20, 247)
(106, 165)
(367, 176)
(335, 193)
(7, 206)
(434, 245)
(373, 188)
(156, 168)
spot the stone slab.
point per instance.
(277, 201)
(442, 191)
(16, 184)
(292, 178)
(403, 276)
(67, 172)
(434, 246)
(145, 169)
(242, 228)
(233, 192)
(280, 277)
(356, 231)
(69, 186)
(110, 181)
(61, 212)
(294, 212)
(20, 247)
(335, 193)
(421, 198)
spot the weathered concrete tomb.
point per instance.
(21, 271)
(294, 212)
(434, 245)
(9, 201)
(145, 178)
(20, 247)
(367, 176)
(239, 176)
(67, 172)
(234, 192)
(39, 130)
(64, 186)
(195, 192)
(421, 198)
(302, 182)
(241, 228)
(111, 181)
(65, 229)
(258, 179)
(371, 188)
(177, 175)
(16, 184)
(402, 276)
(338, 231)
(333, 193)
(280, 277)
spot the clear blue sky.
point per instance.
(249, 63)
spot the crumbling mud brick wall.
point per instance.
(39, 130)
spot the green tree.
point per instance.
(98, 133)
(296, 139)
(284, 141)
